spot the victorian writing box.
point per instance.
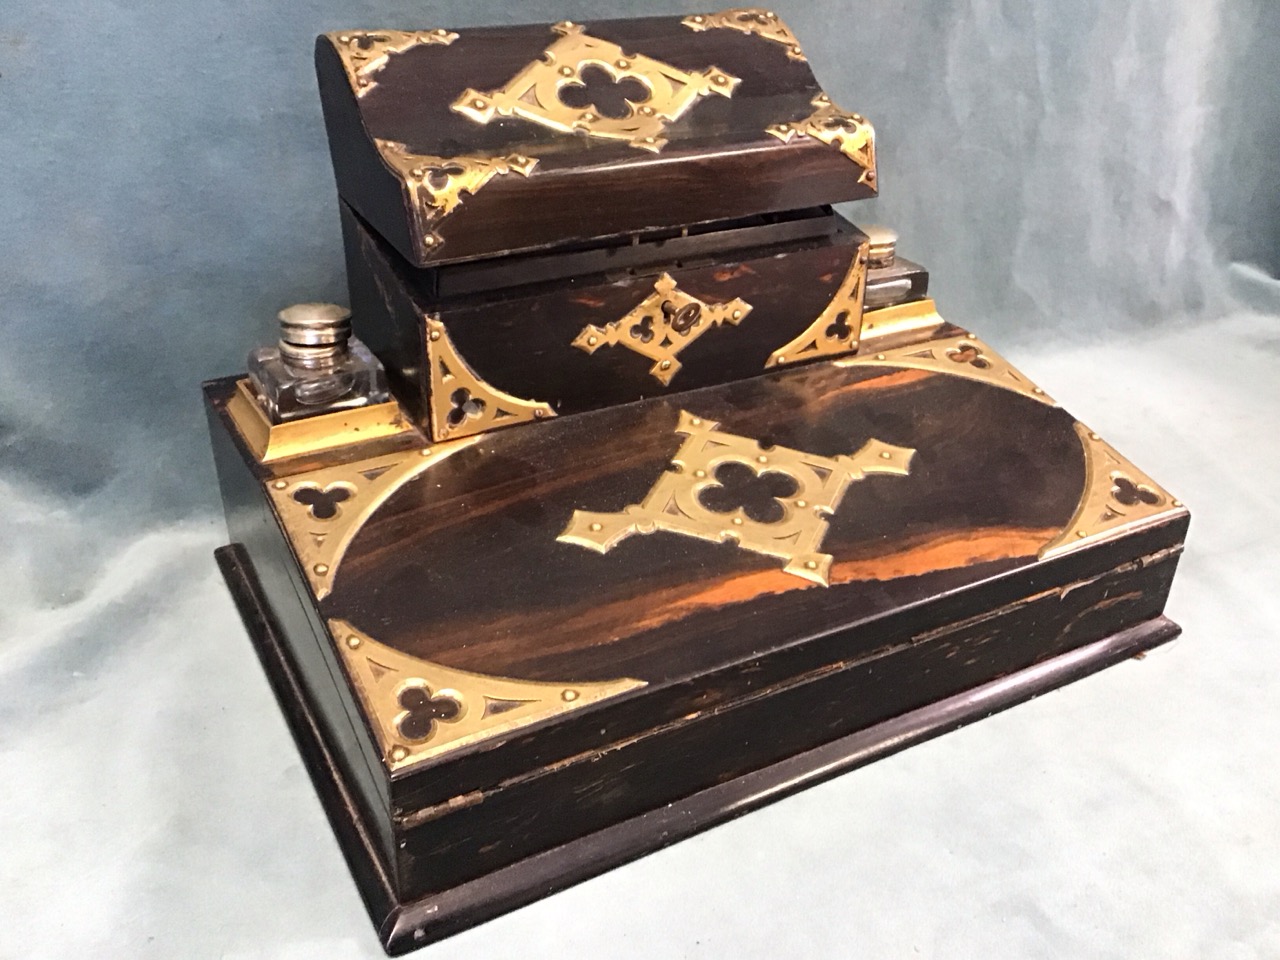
(647, 489)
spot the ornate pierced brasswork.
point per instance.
(419, 709)
(850, 133)
(838, 328)
(436, 184)
(1117, 496)
(461, 403)
(364, 53)
(661, 325)
(754, 20)
(965, 356)
(555, 91)
(707, 495)
(321, 511)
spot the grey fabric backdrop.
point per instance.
(1078, 176)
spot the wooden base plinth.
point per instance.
(404, 926)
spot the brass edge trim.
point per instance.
(918, 316)
(963, 356)
(435, 184)
(838, 329)
(850, 133)
(674, 502)
(534, 92)
(1117, 497)
(365, 52)
(752, 20)
(322, 510)
(420, 710)
(270, 442)
(670, 319)
(462, 404)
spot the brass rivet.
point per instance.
(697, 18)
(363, 81)
(696, 421)
(699, 473)
(1094, 436)
(762, 459)
(801, 504)
(596, 526)
(588, 118)
(398, 752)
(280, 484)
(478, 104)
(321, 569)
(592, 341)
(353, 641)
(737, 521)
(569, 696)
(435, 334)
(811, 565)
(428, 241)
(665, 365)
(344, 38)
(566, 71)
(1082, 533)
(539, 414)
(624, 64)
(879, 356)
(1177, 503)
(795, 48)
(1037, 390)
(425, 451)
(737, 314)
(647, 111)
(719, 79)
(886, 455)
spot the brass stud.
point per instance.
(879, 356)
(398, 752)
(624, 64)
(737, 521)
(1037, 390)
(592, 341)
(811, 565)
(280, 484)
(762, 459)
(478, 104)
(353, 641)
(1094, 436)
(665, 365)
(425, 451)
(569, 696)
(320, 569)
(696, 421)
(699, 473)
(596, 527)
(1082, 533)
(886, 455)
(647, 111)
(566, 71)
(428, 241)
(719, 79)
(802, 504)
(435, 334)
(588, 117)
(737, 314)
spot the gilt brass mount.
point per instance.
(364, 53)
(676, 502)
(535, 93)
(753, 20)
(419, 709)
(436, 184)
(838, 328)
(462, 404)
(850, 133)
(661, 325)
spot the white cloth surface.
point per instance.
(153, 804)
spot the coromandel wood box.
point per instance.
(637, 488)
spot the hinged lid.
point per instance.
(477, 143)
